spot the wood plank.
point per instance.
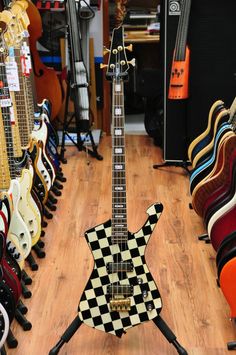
(183, 267)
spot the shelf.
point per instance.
(140, 37)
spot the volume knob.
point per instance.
(149, 307)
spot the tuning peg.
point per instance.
(132, 62)
(103, 66)
(129, 47)
(105, 50)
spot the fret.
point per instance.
(119, 212)
(23, 102)
(6, 104)
(4, 168)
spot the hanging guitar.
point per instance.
(179, 77)
(78, 72)
(121, 292)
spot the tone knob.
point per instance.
(145, 293)
(140, 281)
(149, 307)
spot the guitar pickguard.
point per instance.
(94, 307)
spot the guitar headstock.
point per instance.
(118, 65)
(12, 35)
(3, 46)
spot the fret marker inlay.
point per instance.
(118, 167)
(117, 111)
(118, 150)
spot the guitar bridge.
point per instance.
(120, 305)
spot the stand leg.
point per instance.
(169, 335)
(70, 331)
(62, 153)
(183, 164)
(231, 345)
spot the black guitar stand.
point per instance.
(231, 345)
(74, 82)
(159, 322)
(80, 144)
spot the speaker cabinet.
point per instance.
(211, 38)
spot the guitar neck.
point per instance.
(22, 103)
(119, 211)
(182, 31)
(7, 117)
(4, 168)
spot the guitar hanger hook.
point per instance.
(88, 14)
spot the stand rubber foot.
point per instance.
(169, 335)
(70, 331)
(231, 345)
(183, 164)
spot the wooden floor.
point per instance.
(183, 267)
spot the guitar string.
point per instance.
(22, 102)
(6, 178)
(182, 28)
(6, 115)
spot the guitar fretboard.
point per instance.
(119, 213)
(182, 31)
(6, 107)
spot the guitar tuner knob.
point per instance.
(132, 62)
(105, 50)
(129, 47)
(103, 66)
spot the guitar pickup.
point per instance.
(123, 266)
(119, 290)
(121, 305)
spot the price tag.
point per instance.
(12, 115)
(25, 59)
(5, 102)
(12, 76)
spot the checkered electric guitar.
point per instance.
(121, 292)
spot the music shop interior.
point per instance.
(117, 205)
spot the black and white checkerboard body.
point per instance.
(94, 304)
